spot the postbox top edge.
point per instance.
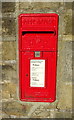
(38, 14)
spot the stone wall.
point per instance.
(12, 107)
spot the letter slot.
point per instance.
(38, 32)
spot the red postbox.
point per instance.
(38, 38)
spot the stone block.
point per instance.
(67, 24)
(0, 27)
(8, 26)
(64, 61)
(63, 114)
(68, 5)
(15, 109)
(73, 24)
(9, 90)
(73, 5)
(68, 38)
(40, 112)
(60, 114)
(67, 61)
(64, 96)
(39, 6)
(5, 95)
(9, 50)
(64, 75)
(9, 79)
(0, 51)
(9, 73)
(8, 7)
(4, 115)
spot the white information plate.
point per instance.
(37, 73)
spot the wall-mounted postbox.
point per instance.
(38, 36)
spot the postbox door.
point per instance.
(45, 88)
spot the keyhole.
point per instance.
(26, 74)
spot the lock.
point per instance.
(38, 40)
(37, 53)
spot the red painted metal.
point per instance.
(38, 32)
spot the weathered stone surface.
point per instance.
(39, 6)
(40, 112)
(9, 90)
(68, 38)
(0, 27)
(9, 50)
(73, 27)
(67, 61)
(15, 109)
(65, 96)
(5, 95)
(60, 114)
(67, 18)
(9, 86)
(9, 73)
(0, 51)
(8, 26)
(64, 75)
(51, 105)
(68, 24)
(68, 5)
(0, 114)
(9, 15)
(4, 115)
(73, 5)
(8, 7)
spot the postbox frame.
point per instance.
(20, 65)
